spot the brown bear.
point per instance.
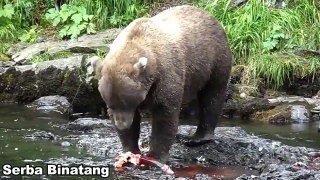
(161, 63)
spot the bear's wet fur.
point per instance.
(161, 63)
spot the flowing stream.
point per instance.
(17, 147)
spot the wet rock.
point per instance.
(315, 113)
(270, 93)
(247, 106)
(84, 44)
(289, 109)
(253, 91)
(283, 114)
(43, 135)
(277, 115)
(294, 99)
(86, 124)
(287, 172)
(73, 77)
(58, 104)
(65, 144)
(237, 73)
(232, 147)
(4, 64)
(299, 114)
(70, 77)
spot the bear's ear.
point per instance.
(141, 64)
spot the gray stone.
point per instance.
(65, 77)
(84, 44)
(43, 135)
(299, 114)
(7, 63)
(65, 144)
(56, 103)
(86, 124)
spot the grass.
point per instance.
(279, 68)
(113, 13)
(249, 26)
(258, 35)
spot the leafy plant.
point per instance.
(40, 58)
(73, 19)
(113, 13)
(101, 53)
(30, 36)
(275, 39)
(7, 28)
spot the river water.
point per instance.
(17, 123)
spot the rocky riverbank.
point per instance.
(65, 68)
(68, 68)
(233, 154)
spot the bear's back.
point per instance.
(197, 44)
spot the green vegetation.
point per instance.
(4, 57)
(278, 68)
(46, 56)
(24, 19)
(30, 36)
(112, 13)
(73, 20)
(40, 58)
(101, 53)
(261, 37)
(254, 25)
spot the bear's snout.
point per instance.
(123, 120)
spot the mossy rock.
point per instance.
(274, 93)
(61, 55)
(4, 57)
(6, 97)
(47, 57)
(277, 115)
(249, 90)
(237, 73)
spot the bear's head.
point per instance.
(124, 86)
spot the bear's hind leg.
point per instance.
(211, 100)
(129, 137)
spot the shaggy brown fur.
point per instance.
(188, 57)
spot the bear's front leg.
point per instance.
(164, 129)
(129, 137)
